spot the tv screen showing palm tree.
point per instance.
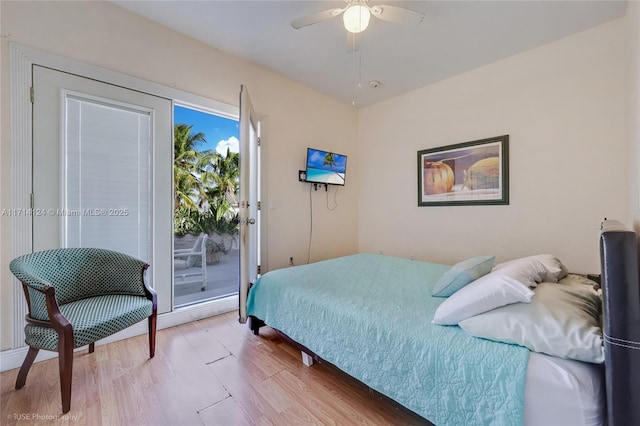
(326, 167)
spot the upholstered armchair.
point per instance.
(77, 296)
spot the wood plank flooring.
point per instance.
(209, 372)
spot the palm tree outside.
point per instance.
(187, 185)
(205, 184)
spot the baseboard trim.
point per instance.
(13, 358)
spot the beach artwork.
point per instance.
(473, 172)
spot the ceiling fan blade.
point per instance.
(353, 42)
(315, 18)
(397, 15)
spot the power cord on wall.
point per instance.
(310, 224)
(335, 206)
(335, 202)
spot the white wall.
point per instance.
(105, 35)
(562, 105)
(633, 108)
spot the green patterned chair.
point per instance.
(77, 296)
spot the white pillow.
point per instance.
(562, 320)
(509, 284)
(554, 268)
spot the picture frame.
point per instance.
(469, 173)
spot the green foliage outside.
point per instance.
(205, 188)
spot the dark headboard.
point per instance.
(621, 322)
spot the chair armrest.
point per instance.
(28, 276)
(56, 319)
(183, 251)
(191, 253)
(150, 293)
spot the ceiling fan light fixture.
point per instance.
(356, 18)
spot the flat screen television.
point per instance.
(325, 167)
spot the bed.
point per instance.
(373, 316)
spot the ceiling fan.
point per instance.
(356, 15)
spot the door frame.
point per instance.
(22, 58)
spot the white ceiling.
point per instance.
(455, 36)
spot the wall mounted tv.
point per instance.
(325, 167)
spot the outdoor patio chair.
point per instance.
(190, 265)
(77, 296)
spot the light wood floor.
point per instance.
(209, 372)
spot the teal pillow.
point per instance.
(463, 273)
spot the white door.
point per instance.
(102, 171)
(249, 190)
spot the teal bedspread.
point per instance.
(370, 315)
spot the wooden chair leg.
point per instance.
(65, 360)
(152, 334)
(26, 366)
(92, 347)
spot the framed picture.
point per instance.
(469, 173)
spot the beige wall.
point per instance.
(105, 35)
(562, 105)
(633, 108)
